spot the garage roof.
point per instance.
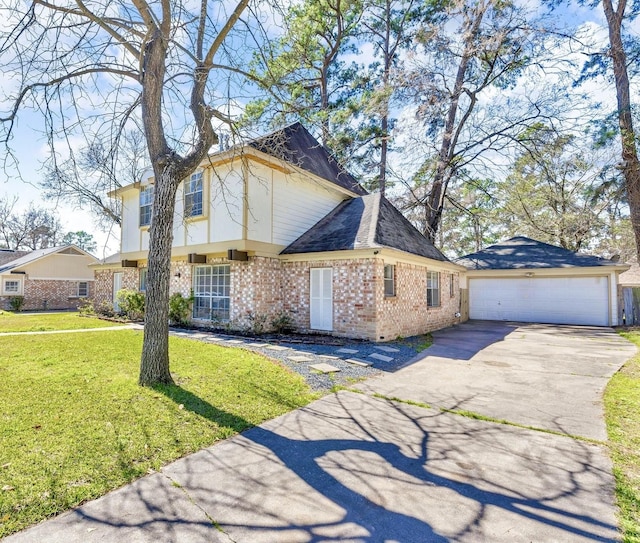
(368, 222)
(522, 252)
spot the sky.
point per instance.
(31, 149)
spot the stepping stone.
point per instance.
(381, 357)
(299, 358)
(387, 349)
(347, 351)
(214, 339)
(358, 362)
(257, 344)
(329, 357)
(235, 341)
(278, 348)
(305, 353)
(200, 336)
(324, 368)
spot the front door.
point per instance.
(117, 285)
(321, 303)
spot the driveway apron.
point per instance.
(358, 467)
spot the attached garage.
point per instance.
(529, 281)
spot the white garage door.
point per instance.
(577, 300)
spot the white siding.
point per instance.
(259, 216)
(298, 205)
(130, 219)
(226, 209)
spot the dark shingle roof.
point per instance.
(368, 222)
(297, 146)
(7, 255)
(521, 252)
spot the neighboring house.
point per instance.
(277, 227)
(629, 295)
(54, 278)
(529, 281)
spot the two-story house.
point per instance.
(277, 226)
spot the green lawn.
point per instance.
(622, 408)
(43, 322)
(74, 424)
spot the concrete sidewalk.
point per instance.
(353, 467)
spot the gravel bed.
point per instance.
(313, 348)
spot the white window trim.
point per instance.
(211, 296)
(86, 294)
(146, 189)
(186, 185)
(6, 292)
(389, 280)
(438, 289)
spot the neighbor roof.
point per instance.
(522, 252)
(7, 255)
(368, 222)
(294, 144)
(36, 255)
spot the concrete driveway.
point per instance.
(360, 468)
(540, 375)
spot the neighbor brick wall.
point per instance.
(49, 294)
(406, 314)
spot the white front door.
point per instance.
(321, 303)
(117, 285)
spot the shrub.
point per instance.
(86, 309)
(16, 303)
(180, 308)
(131, 303)
(257, 323)
(282, 323)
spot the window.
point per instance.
(389, 280)
(83, 289)
(146, 201)
(193, 195)
(11, 287)
(433, 289)
(452, 291)
(143, 279)
(211, 289)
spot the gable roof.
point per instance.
(368, 222)
(521, 252)
(37, 255)
(7, 255)
(296, 145)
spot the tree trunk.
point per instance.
(630, 162)
(435, 198)
(154, 363)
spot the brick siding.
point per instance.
(263, 287)
(40, 294)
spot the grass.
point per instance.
(44, 322)
(622, 413)
(74, 424)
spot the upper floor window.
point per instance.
(193, 195)
(146, 201)
(389, 280)
(83, 289)
(433, 289)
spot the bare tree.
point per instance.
(91, 67)
(31, 229)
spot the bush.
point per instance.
(257, 323)
(16, 303)
(131, 304)
(180, 308)
(283, 323)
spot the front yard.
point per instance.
(74, 424)
(44, 322)
(622, 412)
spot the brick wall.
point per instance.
(407, 314)
(263, 287)
(49, 294)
